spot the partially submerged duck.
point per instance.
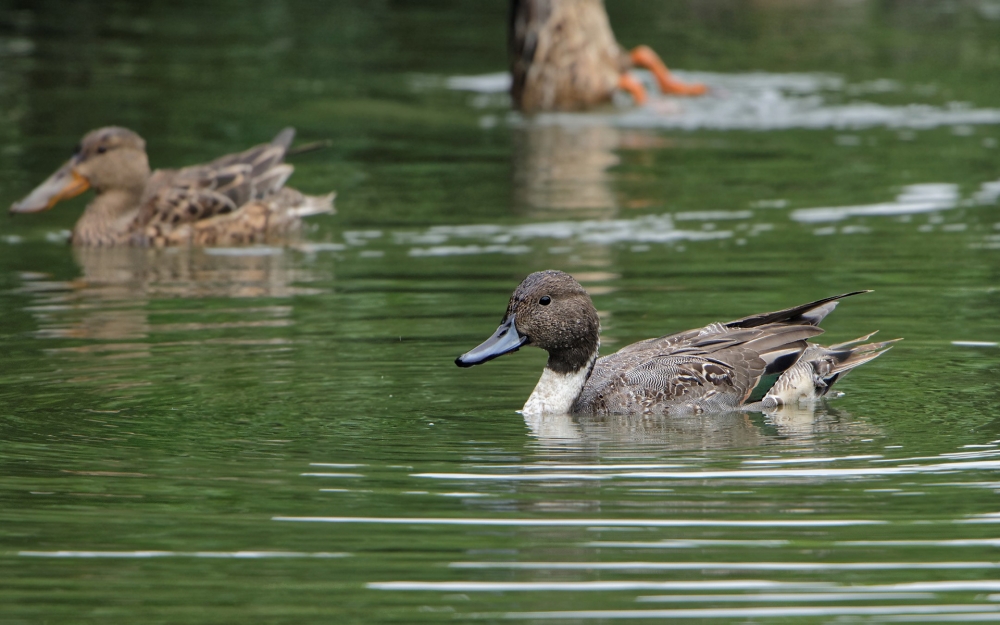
(236, 199)
(716, 368)
(564, 56)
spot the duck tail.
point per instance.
(838, 359)
(284, 138)
(819, 367)
(810, 314)
(271, 180)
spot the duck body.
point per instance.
(715, 368)
(237, 199)
(564, 56)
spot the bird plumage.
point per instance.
(236, 199)
(715, 368)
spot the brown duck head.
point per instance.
(549, 309)
(110, 158)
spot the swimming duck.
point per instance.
(234, 200)
(716, 368)
(564, 56)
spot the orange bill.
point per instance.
(62, 185)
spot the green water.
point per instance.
(280, 436)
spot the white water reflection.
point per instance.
(755, 474)
(514, 522)
(812, 460)
(332, 474)
(682, 227)
(240, 555)
(801, 567)
(913, 199)
(589, 586)
(912, 589)
(785, 597)
(692, 543)
(119, 275)
(687, 543)
(440, 240)
(776, 612)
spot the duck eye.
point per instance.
(545, 301)
(101, 149)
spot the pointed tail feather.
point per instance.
(856, 341)
(806, 314)
(284, 138)
(820, 367)
(308, 147)
(856, 356)
(271, 180)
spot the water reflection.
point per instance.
(128, 301)
(799, 425)
(565, 169)
(112, 274)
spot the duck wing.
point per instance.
(177, 199)
(806, 314)
(711, 369)
(706, 369)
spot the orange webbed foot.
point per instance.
(644, 56)
(628, 82)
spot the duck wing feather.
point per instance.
(705, 370)
(176, 198)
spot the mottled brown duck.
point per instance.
(238, 199)
(563, 56)
(716, 368)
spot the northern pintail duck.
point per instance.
(564, 56)
(716, 368)
(234, 200)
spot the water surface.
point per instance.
(279, 434)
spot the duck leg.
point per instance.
(643, 56)
(628, 82)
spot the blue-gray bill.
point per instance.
(505, 340)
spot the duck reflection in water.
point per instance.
(561, 170)
(797, 424)
(112, 304)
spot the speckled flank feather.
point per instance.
(709, 369)
(712, 371)
(236, 199)
(275, 218)
(563, 54)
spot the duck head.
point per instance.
(550, 310)
(109, 158)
